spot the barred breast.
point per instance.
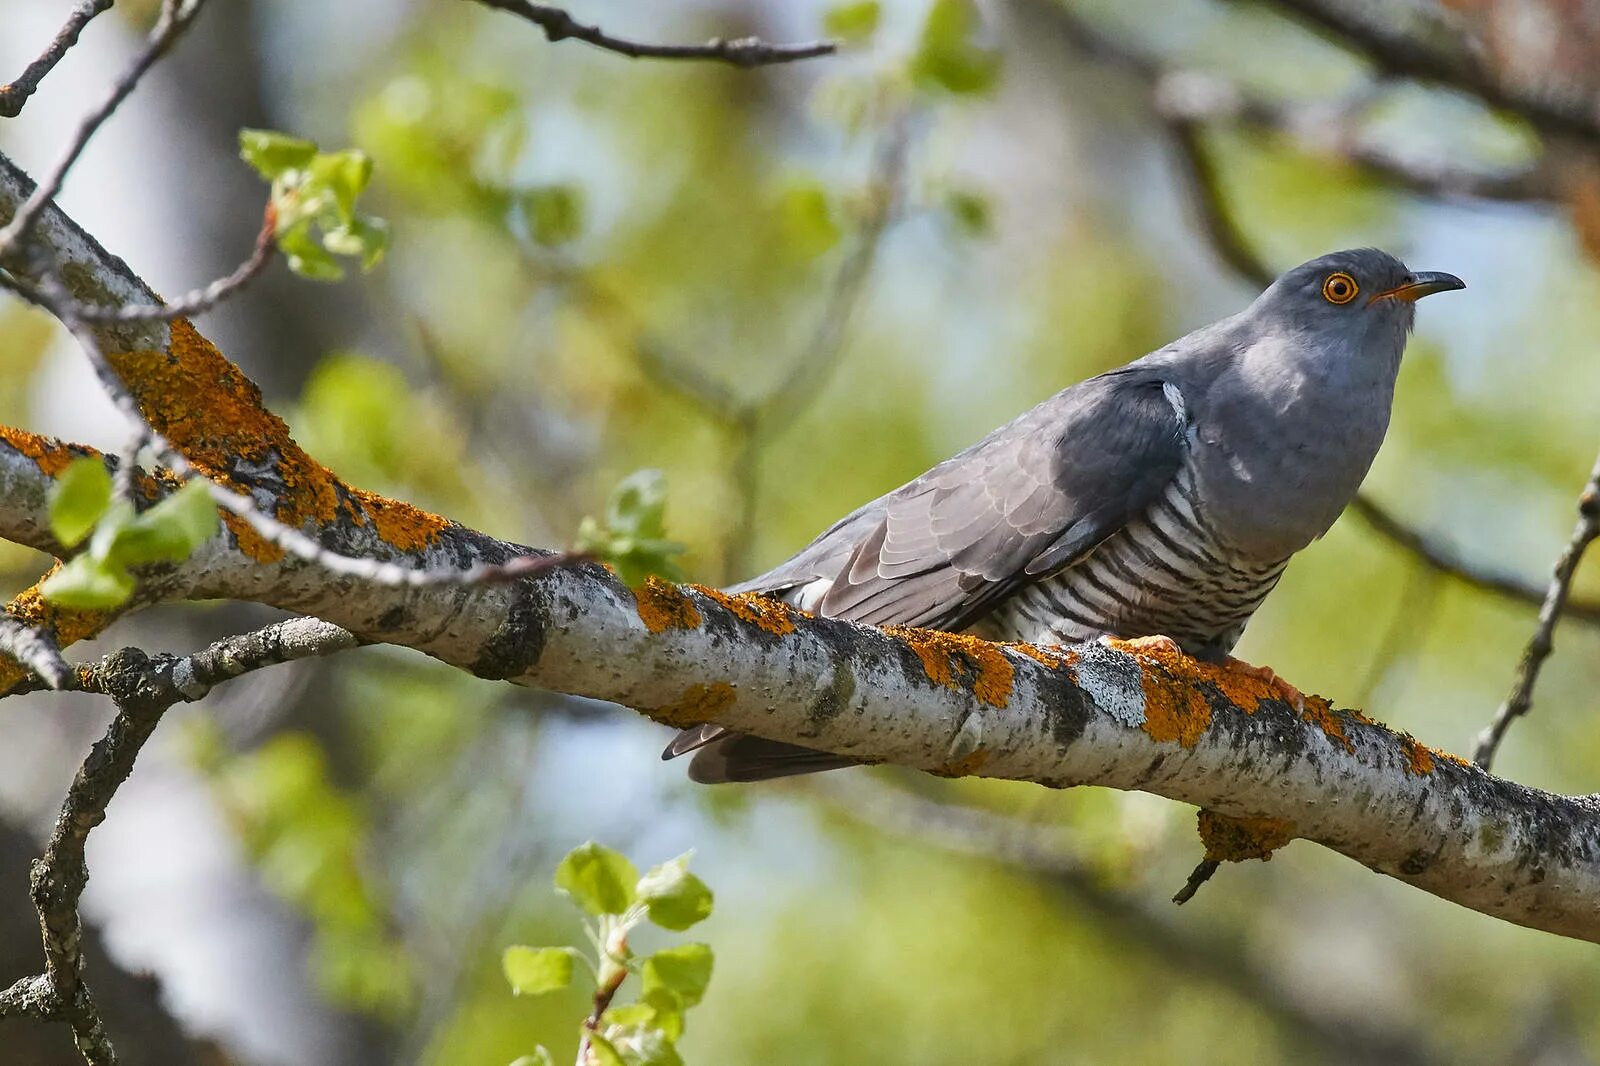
(1166, 572)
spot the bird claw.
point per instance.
(1157, 644)
(1265, 674)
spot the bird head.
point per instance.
(1362, 298)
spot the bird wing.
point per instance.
(1025, 503)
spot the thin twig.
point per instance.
(1179, 94)
(1399, 53)
(558, 25)
(176, 17)
(35, 650)
(1542, 643)
(203, 299)
(1443, 559)
(55, 298)
(15, 94)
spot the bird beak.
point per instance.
(1419, 284)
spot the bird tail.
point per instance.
(721, 757)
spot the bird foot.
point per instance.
(1154, 645)
(1291, 695)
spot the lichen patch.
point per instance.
(663, 606)
(698, 704)
(1418, 758)
(967, 764)
(767, 613)
(1229, 839)
(961, 661)
(51, 455)
(1320, 713)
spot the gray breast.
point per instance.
(1166, 572)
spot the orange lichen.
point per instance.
(400, 524)
(1229, 839)
(1419, 759)
(1320, 713)
(53, 456)
(970, 763)
(957, 660)
(1052, 658)
(663, 606)
(1174, 709)
(698, 704)
(1440, 753)
(1241, 687)
(766, 613)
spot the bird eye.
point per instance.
(1340, 288)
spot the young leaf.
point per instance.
(948, 57)
(273, 154)
(683, 970)
(854, 20)
(87, 583)
(344, 174)
(639, 1046)
(535, 971)
(598, 879)
(675, 898)
(168, 532)
(77, 500)
(305, 256)
(604, 1052)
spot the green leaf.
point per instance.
(808, 218)
(554, 213)
(77, 500)
(540, 1057)
(666, 1011)
(535, 971)
(633, 538)
(853, 21)
(87, 583)
(604, 1052)
(947, 56)
(969, 211)
(642, 1046)
(305, 256)
(344, 174)
(273, 154)
(598, 879)
(675, 898)
(168, 532)
(683, 970)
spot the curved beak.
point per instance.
(1421, 283)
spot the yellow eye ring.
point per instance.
(1339, 288)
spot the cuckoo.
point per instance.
(1161, 500)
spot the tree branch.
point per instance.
(558, 25)
(14, 95)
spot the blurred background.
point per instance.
(791, 289)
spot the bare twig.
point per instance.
(14, 95)
(1399, 53)
(558, 25)
(1180, 95)
(1444, 559)
(203, 299)
(176, 17)
(54, 297)
(1542, 643)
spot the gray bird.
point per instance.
(1162, 499)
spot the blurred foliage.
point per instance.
(314, 203)
(632, 537)
(1041, 240)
